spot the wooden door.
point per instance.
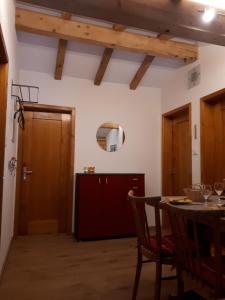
(45, 173)
(181, 160)
(3, 104)
(177, 165)
(213, 137)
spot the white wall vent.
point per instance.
(194, 77)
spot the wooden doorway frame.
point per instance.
(3, 107)
(207, 126)
(52, 109)
(167, 146)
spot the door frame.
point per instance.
(52, 109)
(3, 108)
(205, 112)
(167, 146)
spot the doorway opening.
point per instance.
(212, 113)
(45, 170)
(176, 151)
(3, 106)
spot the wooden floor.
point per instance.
(56, 267)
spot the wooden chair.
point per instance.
(192, 231)
(158, 249)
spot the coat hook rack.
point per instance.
(23, 94)
(26, 93)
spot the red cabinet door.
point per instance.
(89, 199)
(102, 208)
(115, 200)
(136, 183)
(117, 213)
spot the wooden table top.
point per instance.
(210, 214)
(211, 208)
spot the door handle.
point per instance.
(26, 173)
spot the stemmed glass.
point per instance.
(206, 191)
(219, 187)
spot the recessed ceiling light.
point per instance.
(209, 14)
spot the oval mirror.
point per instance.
(110, 136)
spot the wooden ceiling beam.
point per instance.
(141, 71)
(106, 58)
(146, 64)
(103, 65)
(62, 46)
(119, 27)
(39, 23)
(180, 18)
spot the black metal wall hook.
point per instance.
(19, 112)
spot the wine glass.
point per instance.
(206, 191)
(219, 187)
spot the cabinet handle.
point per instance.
(99, 180)
(135, 179)
(135, 187)
(106, 180)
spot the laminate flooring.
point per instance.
(57, 267)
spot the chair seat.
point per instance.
(167, 245)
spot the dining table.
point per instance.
(206, 212)
(212, 207)
(206, 223)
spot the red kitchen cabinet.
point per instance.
(102, 208)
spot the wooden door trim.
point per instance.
(213, 97)
(166, 118)
(173, 113)
(53, 109)
(48, 108)
(4, 59)
(3, 107)
(205, 103)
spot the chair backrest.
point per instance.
(141, 221)
(197, 239)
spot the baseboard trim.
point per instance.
(6, 260)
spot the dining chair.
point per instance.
(191, 257)
(155, 248)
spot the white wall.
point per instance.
(176, 93)
(7, 20)
(137, 112)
